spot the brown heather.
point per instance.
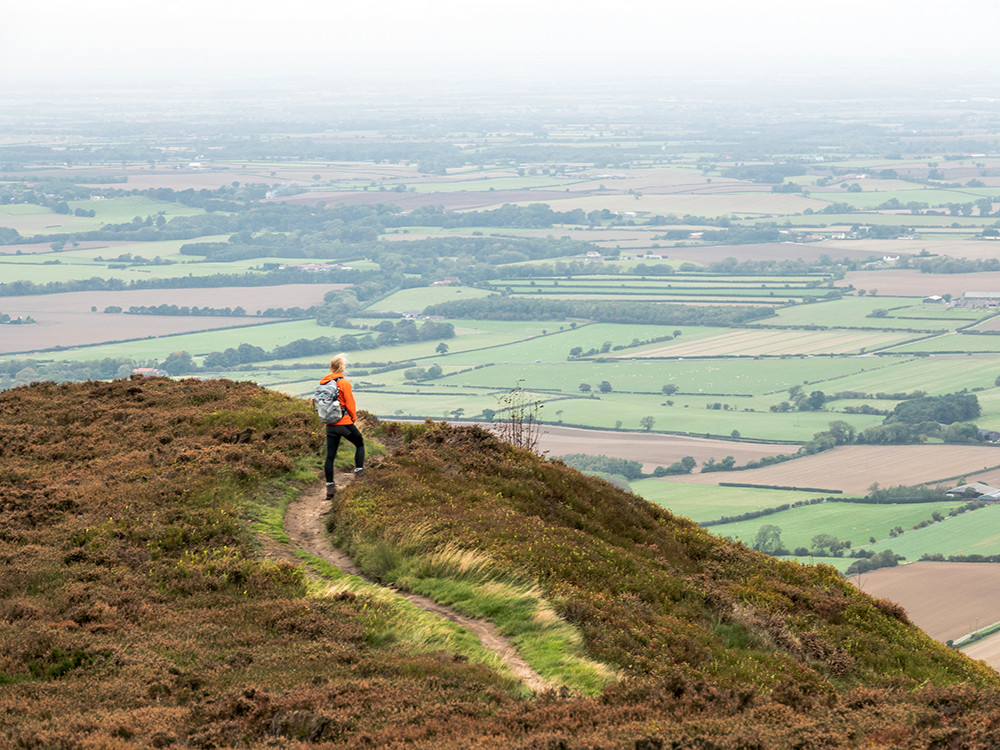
(136, 610)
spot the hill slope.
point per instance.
(136, 610)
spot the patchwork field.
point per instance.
(80, 329)
(853, 522)
(250, 298)
(772, 342)
(910, 283)
(855, 468)
(651, 450)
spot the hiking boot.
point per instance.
(359, 472)
(331, 490)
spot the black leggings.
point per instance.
(334, 432)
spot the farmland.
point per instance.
(659, 291)
(854, 468)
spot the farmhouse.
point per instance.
(150, 372)
(980, 299)
(977, 490)
(934, 299)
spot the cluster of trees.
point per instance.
(952, 407)
(266, 278)
(421, 373)
(607, 346)
(17, 372)
(598, 464)
(885, 559)
(237, 311)
(19, 320)
(498, 307)
(684, 466)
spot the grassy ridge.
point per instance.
(135, 610)
(674, 586)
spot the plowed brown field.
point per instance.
(854, 468)
(947, 600)
(652, 450)
(907, 283)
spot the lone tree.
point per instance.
(647, 423)
(441, 348)
(605, 387)
(584, 387)
(768, 539)
(669, 389)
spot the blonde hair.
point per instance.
(338, 363)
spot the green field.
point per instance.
(856, 522)
(973, 533)
(701, 502)
(417, 299)
(854, 311)
(955, 343)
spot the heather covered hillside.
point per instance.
(138, 607)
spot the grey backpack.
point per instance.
(327, 404)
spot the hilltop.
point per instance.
(137, 607)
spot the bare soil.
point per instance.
(854, 468)
(305, 525)
(81, 329)
(652, 450)
(946, 600)
(908, 283)
(250, 298)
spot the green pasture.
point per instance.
(935, 198)
(773, 295)
(779, 342)
(936, 374)
(30, 219)
(856, 522)
(851, 311)
(688, 415)
(702, 204)
(989, 402)
(955, 343)
(123, 209)
(771, 375)
(420, 297)
(165, 249)
(647, 283)
(679, 297)
(955, 316)
(701, 502)
(972, 533)
(822, 222)
(843, 403)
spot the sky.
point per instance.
(177, 40)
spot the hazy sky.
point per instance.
(177, 39)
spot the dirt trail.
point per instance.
(306, 530)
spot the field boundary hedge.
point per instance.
(780, 487)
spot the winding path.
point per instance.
(306, 530)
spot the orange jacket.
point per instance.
(345, 395)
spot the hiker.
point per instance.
(343, 427)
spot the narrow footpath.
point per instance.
(306, 531)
